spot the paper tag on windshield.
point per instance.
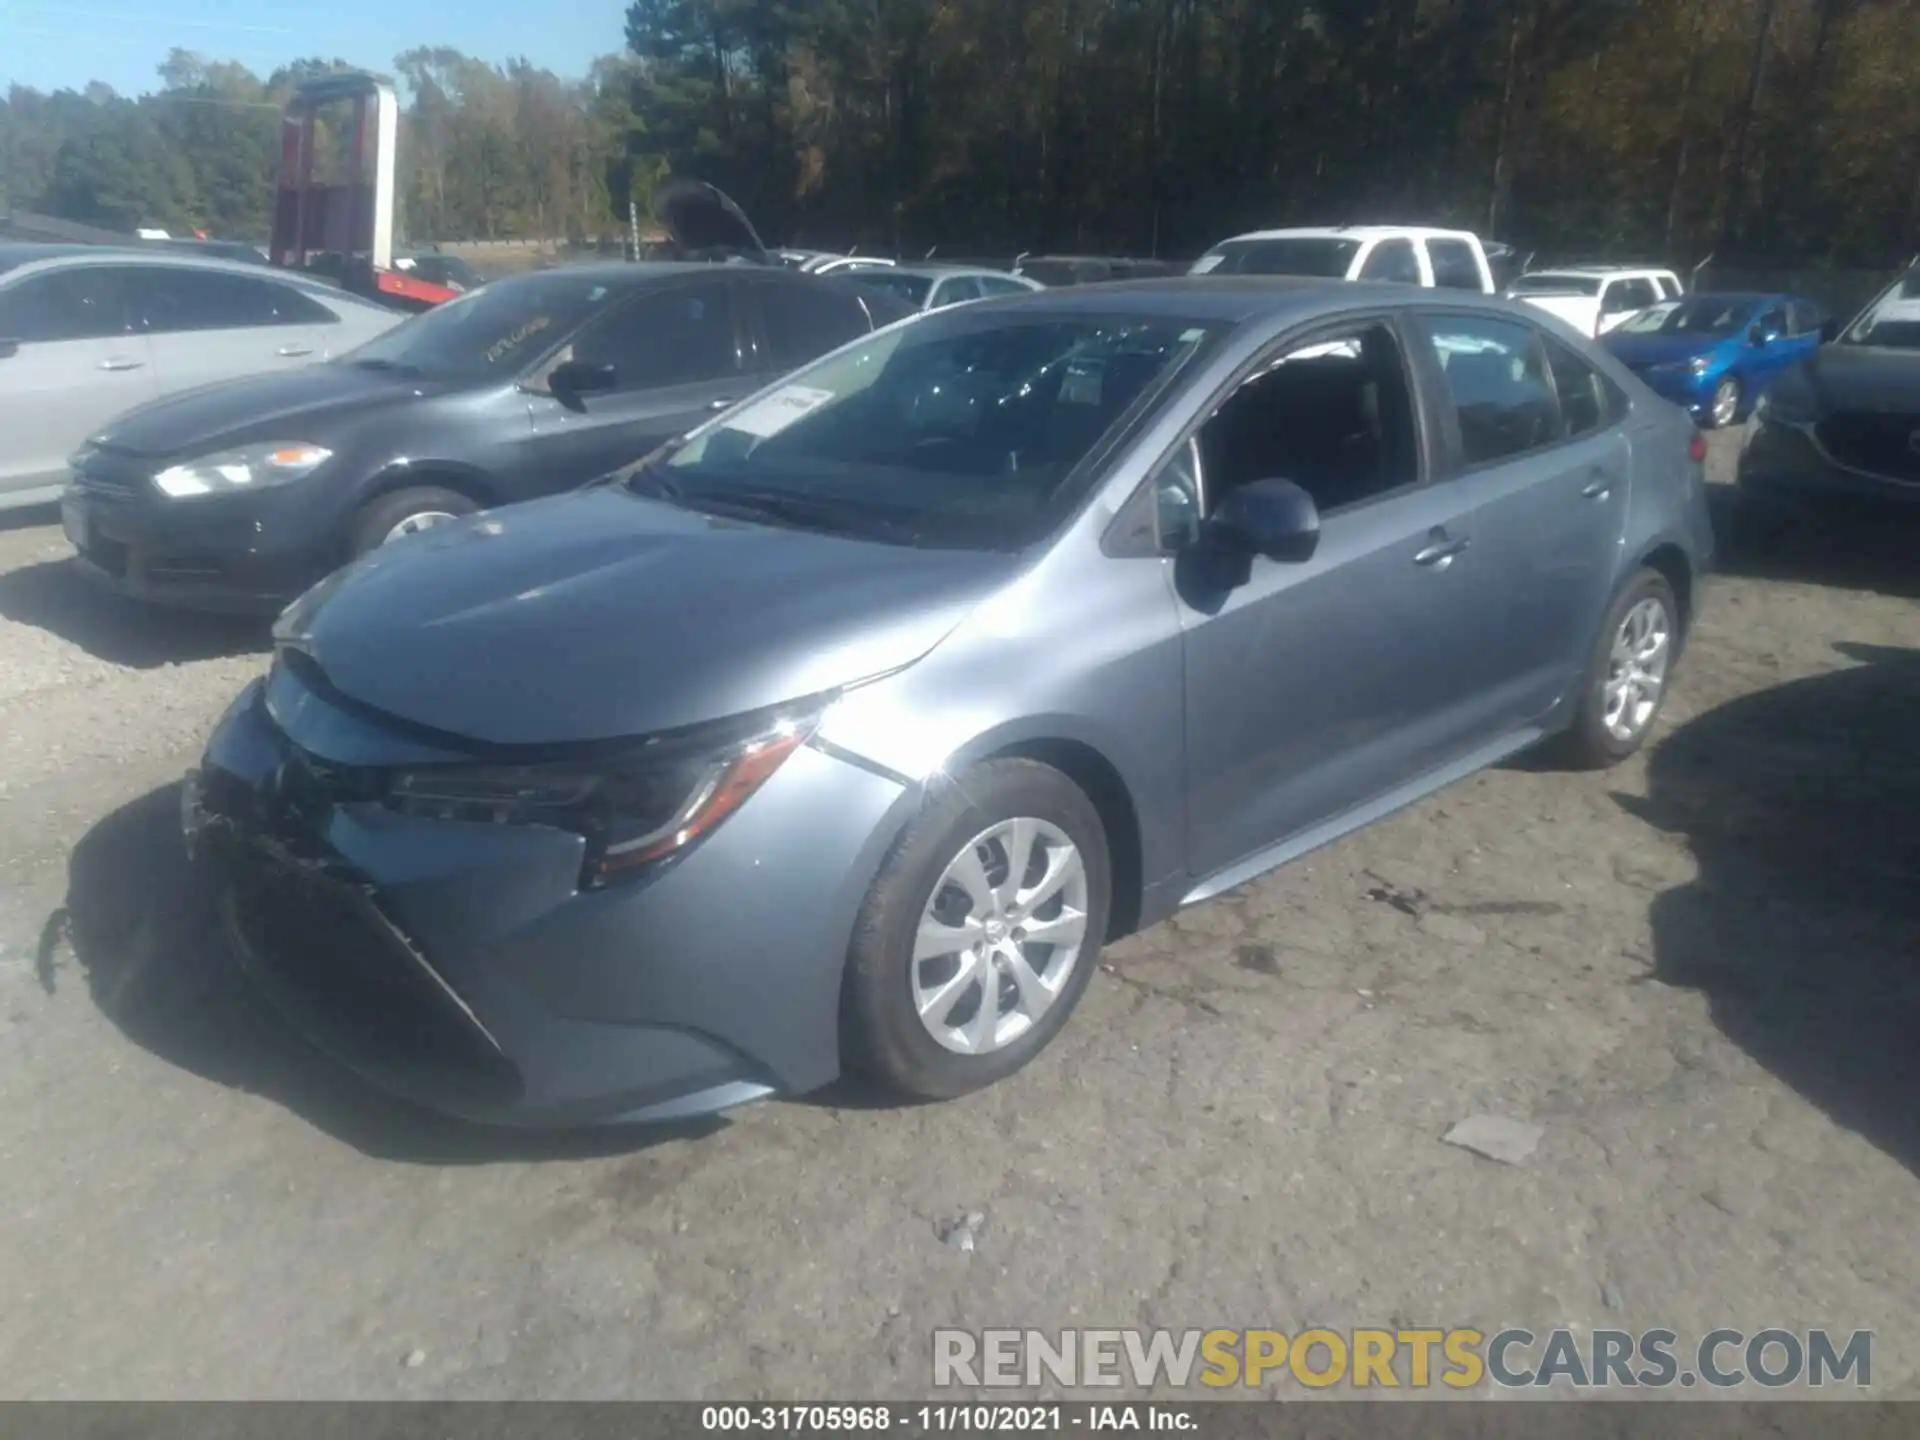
(786, 405)
(1205, 263)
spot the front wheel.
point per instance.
(406, 512)
(980, 933)
(1627, 675)
(1725, 408)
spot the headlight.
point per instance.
(249, 468)
(635, 809)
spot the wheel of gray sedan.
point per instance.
(1725, 408)
(980, 932)
(1626, 680)
(406, 512)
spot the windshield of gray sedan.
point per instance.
(1893, 321)
(942, 433)
(493, 332)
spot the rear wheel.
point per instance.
(1626, 680)
(406, 512)
(980, 933)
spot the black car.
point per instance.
(1841, 429)
(239, 496)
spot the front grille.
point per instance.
(113, 474)
(1879, 444)
(322, 939)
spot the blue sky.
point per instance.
(48, 44)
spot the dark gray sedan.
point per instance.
(845, 731)
(240, 496)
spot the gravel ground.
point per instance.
(1698, 974)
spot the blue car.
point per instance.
(1714, 355)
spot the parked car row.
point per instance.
(703, 680)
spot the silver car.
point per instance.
(87, 333)
(846, 730)
(934, 287)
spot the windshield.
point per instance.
(1556, 285)
(1705, 316)
(1892, 321)
(955, 432)
(1314, 257)
(911, 288)
(488, 333)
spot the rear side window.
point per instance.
(1624, 297)
(1455, 266)
(993, 285)
(174, 299)
(83, 303)
(1394, 263)
(1499, 384)
(804, 320)
(956, 290)
(1587, 400)
(1807, 317)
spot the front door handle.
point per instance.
(121, 362)
(722, 404)
(1598, 489)
(293, 352)
(1441, 552)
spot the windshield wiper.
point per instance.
(807, 512)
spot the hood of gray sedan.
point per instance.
(600, 615)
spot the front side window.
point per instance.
(1393, 262)
(1773, 322)
(83, 303)
(1311, 257)
(1705, 317)
(1623, 297)
(956, 291)
(491, 333)
(1556, 285)
(680, 336)
(1893, 320)
(994, 285)
(1334, 415)
(964, 430)
(1498, 383)
(1455, 267)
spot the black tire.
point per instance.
(377, 519)
(1588, 744)
(882, 1035)
(1729, 384)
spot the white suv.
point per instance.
(1595, 298)
(1394, 254)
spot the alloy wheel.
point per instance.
(1000, 936)
(1637, 669)
(1726, 404)
(415, 523)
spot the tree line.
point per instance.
(1659, 128)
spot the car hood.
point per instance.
(1659, 349)
(599, 615)
(1864, 377)
(697, 216)
(301, 404)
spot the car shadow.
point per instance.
(1802, 807)
(55, 596)
(30, 517)
(1838, 548)
(140, 927)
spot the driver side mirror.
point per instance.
(1273, 518)
(574, 378)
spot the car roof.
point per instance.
(19, 257)
(1592, 270)
(1357, 232)
(1236, 299)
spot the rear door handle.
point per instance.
(1441, 552)
(722, 404)
(293, 352)
(121, 362)
(1598, 489)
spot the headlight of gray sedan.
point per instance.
(251, 467)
